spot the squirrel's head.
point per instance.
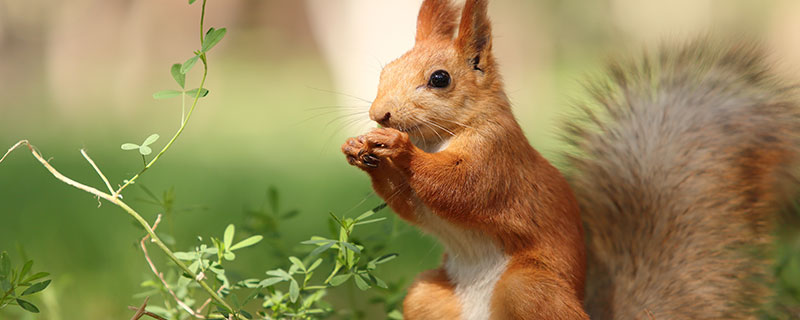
(446, 82)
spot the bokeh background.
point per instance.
(80, 74)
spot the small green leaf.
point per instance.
(351, 247)
(369, 221)
(5, 284)
(317, 240)
(246, 314)
(36, 276)
(379, 282)
(315, 265)
(386, 258)
(294, 290)
(130, 146)
(27, 306)
(247, 242)
(270, 281)
(186, 255)
(189, 64)
(230, 256)
(337, 280)
(179, 77)
(297, 262)
(395, 315)
(228, 236)
(365, 215)
(152, 138)
(321, 249)
(193, 93)
(192, 1)
(25, 269)
(361, 283)
(213, 36)
(145, 150)
(36, 287)
(166, 94)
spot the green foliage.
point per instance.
(12, 280)
(144, 148)
(290, 292)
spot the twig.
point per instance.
(147, 313)
(100, 173)
(140, 310)
(160, 275)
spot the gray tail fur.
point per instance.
(682, 161)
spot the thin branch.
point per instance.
(140, 310)
(147, 313)
(160, 275)
(100, 173)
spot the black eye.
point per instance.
(439, 79)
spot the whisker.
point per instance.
(338, 107)
(344, 116)
(341, 93)
(440, 127)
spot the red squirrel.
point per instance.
(451, 159)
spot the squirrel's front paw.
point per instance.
(367, 151)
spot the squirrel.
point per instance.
(678, 170)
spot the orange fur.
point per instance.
(488, 180)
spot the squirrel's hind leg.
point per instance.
(532, 293)
(431, 297)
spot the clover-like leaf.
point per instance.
(179, 77)
(152, 138)
(228, 236)
(339, 279)
(294, 290)
(193, 93)
(145, 150)
(130, 146)
(213, 36)
(247, 242)
(166, 94)
(361, 283)
(189, 64)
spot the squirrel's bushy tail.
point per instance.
(682, 162)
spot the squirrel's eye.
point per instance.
(439, 79)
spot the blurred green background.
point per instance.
(80, 74)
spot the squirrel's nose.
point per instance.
(385, 120)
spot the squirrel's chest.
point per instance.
(474, 264)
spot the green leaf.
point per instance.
(179, 77)
(270, 281)
(166, 94)
(322, 248)
(297, 262)
(213, 36)
(385, 258)
(361, 283)
(5, 284)
(189, 64)
(279, 273)
(315, 265)
(365, 215)
(369, 221)
(294, 290)
(351, 247)
(395, 315)
(152, 138)
(337, 280)
(36, 276)
(145, 150)
(247, 242)
(379, 282)
(186, 255)
(25, 269)
(318, 240)
(36, 287)
(230, 256)
(130, 146)
(228, 236)
(246, 314)
(193, 93)
(192, 1)
(27, 306)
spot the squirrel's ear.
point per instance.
(437, 19)
(474, 40)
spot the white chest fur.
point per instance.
(474, 264)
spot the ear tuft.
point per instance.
(437, 19)
(475, 33)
